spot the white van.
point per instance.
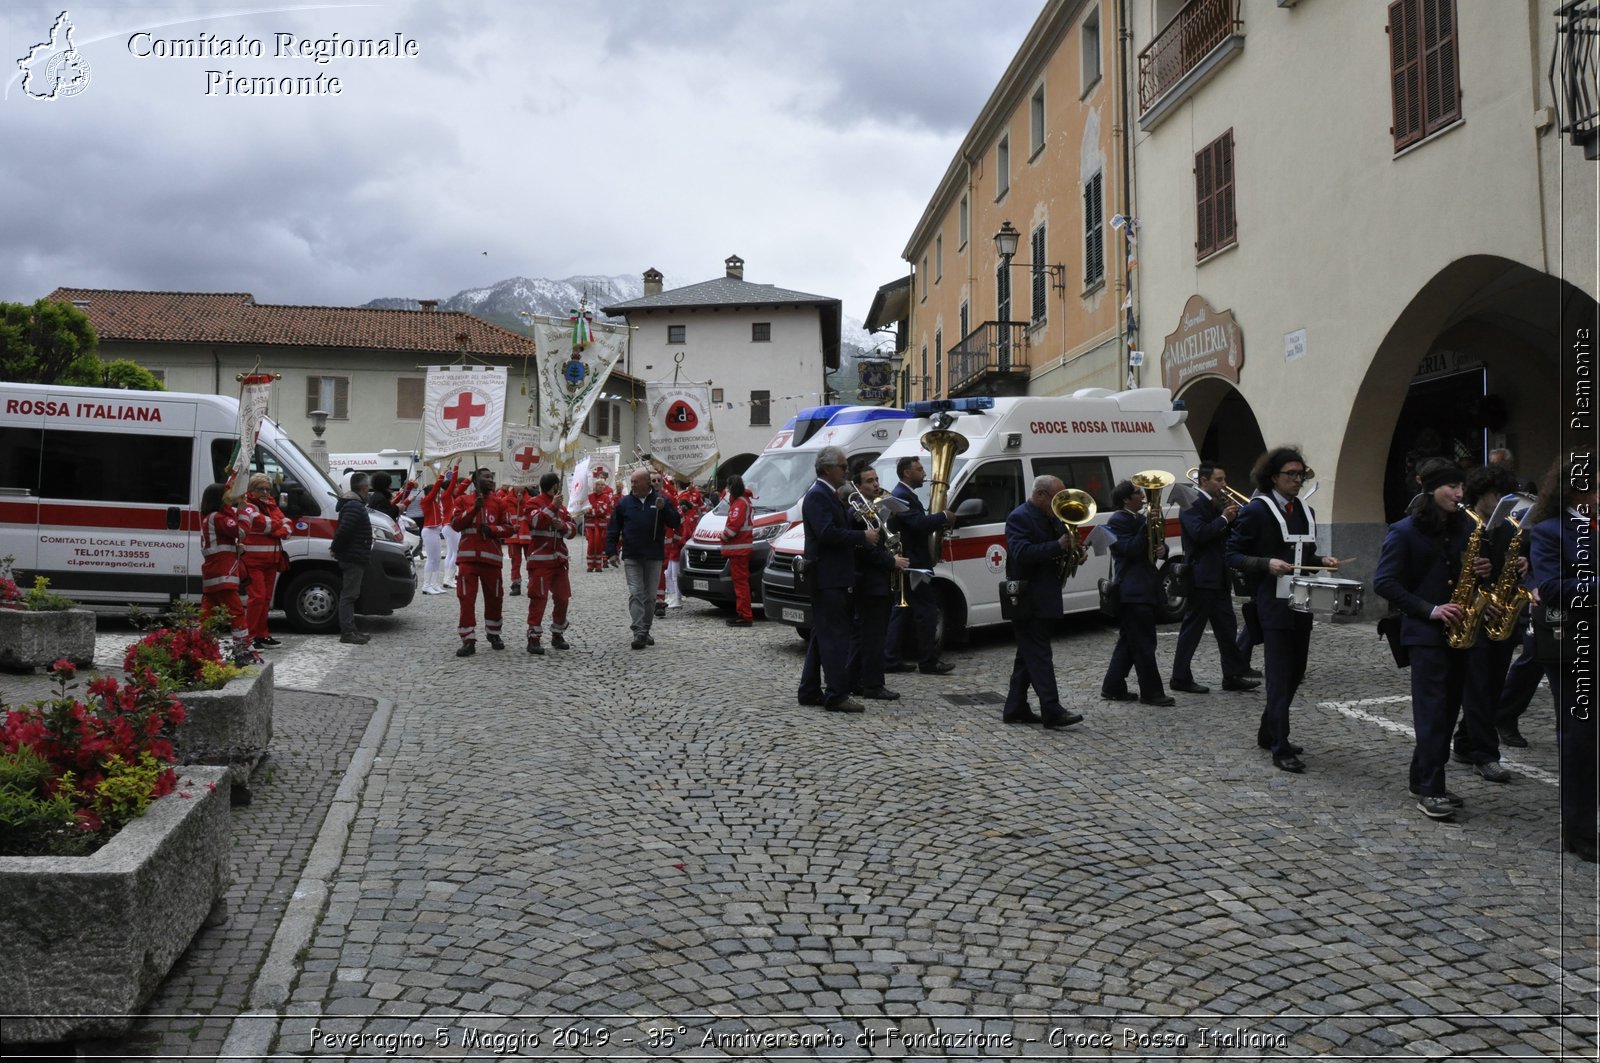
(100, 492)
(779, 478)
(1091, 440)
(401, 465)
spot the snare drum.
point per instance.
(1328, 595)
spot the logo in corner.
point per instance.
(54, 68)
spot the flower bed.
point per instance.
(231, 727)
(88, 939)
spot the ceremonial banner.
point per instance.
(578, 487)
(575, 357)
(522, 457)
(255, 391)
(681, 439)
(463, 411)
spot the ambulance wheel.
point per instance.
(311, 602)
(804, 633)
(1171, 611)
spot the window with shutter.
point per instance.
(1039, 276)
(1215, 220)
(408, 398)
(938, 362)
(330, 394)
(1094, 232)
(1424, 76)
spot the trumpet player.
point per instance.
(1426, 572)
(1035, 544)
(1139, 590)
(878, 572)
(915, 526)
(1206, 523)
(830, 556)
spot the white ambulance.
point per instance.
(1091, 440)
(100, 492)
(779, 478)
(401, 465)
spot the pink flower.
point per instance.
(64, 668)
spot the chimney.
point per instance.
(652, 281)
(735, 266)
(429, 304)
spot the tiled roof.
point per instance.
(723, 291)
(236, 318)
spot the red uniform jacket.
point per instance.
(481, 534)
(601, 502)
(264, 529)
(219, 548)
(547, 525)
(521, 501)
(737, 537)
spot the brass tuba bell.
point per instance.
(1152, 482)
(1073, 507)
(942, 445)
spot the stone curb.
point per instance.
(251, 1035)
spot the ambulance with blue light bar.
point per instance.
(779, 479)
(1090, 439)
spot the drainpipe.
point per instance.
(216, 367)
(1124, 41)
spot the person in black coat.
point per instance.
(830, 559)
(1139, 591)
(875, 591)
(1273, 537)
(1477, 740)
(1206, 523)
(1036, 544)
(1419, 570)
(921, 615)
(382, 496)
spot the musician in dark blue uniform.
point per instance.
(1139, 592)
(1206, 523)
(1562, 574)
(1418, 571)
(915, 528)
(1036, 544)
(830, 557)
(878, 573)
(1477, 741)
(1273, 535)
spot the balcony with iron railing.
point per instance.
(1573, 70)
(991, 359)
(1186, 50)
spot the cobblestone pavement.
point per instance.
(607, 850)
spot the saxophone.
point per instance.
(1468, 594)
(1508, 595)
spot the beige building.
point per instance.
(1362, 231)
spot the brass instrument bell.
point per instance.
(1152, 482)
(1073, 507)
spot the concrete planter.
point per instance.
(30, 640)
(230, 727)
(89, 939)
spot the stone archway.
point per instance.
(1224, 427)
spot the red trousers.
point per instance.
(739, 572)
(546, 580)
(227, 599)
(516, 550)
(594, 537)
(262, 579)
(468, 579)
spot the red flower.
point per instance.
(64, 668)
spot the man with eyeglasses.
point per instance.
(1273, 538)
(830, 560)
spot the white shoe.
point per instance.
(449, 585)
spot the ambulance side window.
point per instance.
(262, 461)
(998, 484)
(112, 467)
(20, 457)
(1086, 474)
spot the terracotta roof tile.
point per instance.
(235, 317)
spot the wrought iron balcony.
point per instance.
(993, 356)
(1572, 73)
(1194, 31)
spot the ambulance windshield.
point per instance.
(777, 480)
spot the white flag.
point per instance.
(254, 395)
(522, 457)
(568, 386)
(578, 488)
(681, 438)
(464, 411)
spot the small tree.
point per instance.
(54, 343)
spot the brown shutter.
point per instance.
(1204, 187)
(1222, 197)
(313, 393)
(1405, 72)
(1441, 95)
(341, 398)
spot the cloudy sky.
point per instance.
(542, 138)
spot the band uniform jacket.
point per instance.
(830, 541)
(1205, 541)
(916, 527)
(1034, 553)
(1258, 538)
(1417, 571)
(1561, 548)
(1138, 580)
(482, 534)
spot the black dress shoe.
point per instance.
(846, 706)
(516, 590)
(467, 649)
(814, 699)
(534, 648)
(1190, 687)
(880, 694)
(1288, 762)
(1126, 695)
(1063, 719)
(560, 642)
(636, 644)
(1025, 716)
(736, 622)
(898, 667)
(1240, 683)
(497, 642)
(1251, 673)
(1510, 736)
(936, 668)
(1288, 747)
(1163, 701)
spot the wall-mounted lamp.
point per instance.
(1005, 245)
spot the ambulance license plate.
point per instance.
(700, 584)
(794, 616)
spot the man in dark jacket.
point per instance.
(1139, 590)
(1036, 543)
(352, 548)
(878, 575)
(1206, 523)
(831, 544)
(916, 527)
(639, 527)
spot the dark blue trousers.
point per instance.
(1438, 675)
(1214, 606)
(866, 641)
(1577, 738)
(919, 620)
(1476, 735)
(1034, 665)
(1136, 650)
(827, 662)
(1521, 683)
(1285, 650)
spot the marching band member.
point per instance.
(1139, 589)
(737, 542)
(264, 529)
(1273, 537)
(921, 615)
(831, 570)
(547, 525)
(1206, 523)
(1035, 544)
(1477, 741)
(436, 512)
(601, 502)
(220, 568)
(484, 521)
(874, 564)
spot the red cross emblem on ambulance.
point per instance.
(995, 557)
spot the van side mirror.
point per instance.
(293, 500)
(972, 509)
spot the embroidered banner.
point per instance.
(522, 457)
(682, 441)
(464, 411)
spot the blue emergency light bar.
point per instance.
(929, 407)
(862, 415)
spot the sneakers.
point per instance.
(1436, 807)
(1491, 771)
(1455, 799)
(559, 641)
(268, 643)
(355, 638)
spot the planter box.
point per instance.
(230, 727)
(31, 640)
(89, 939)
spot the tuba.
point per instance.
(1073, 507)
(1152, 482)
(942, 445)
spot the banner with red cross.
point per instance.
(464, 411)
(524, 463)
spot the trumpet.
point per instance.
(867, 510)
(1073, 507)
(1152, 482)
(1235, 497)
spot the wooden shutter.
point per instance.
(1205, 183)
(1405, 74)
(341, 398)
(313, 393)
(1094, 230)
(1441, 87)
(1039, 275)
(1222, 192)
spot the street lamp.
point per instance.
(319, 449)
(1005, 245)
